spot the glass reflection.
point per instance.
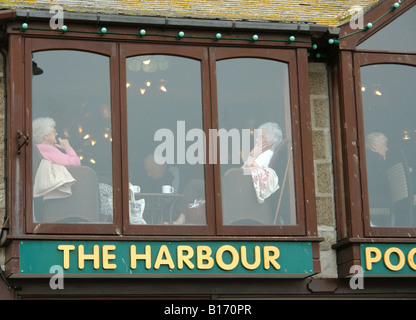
(256, 163)
(389, 124)
(71, 130)
(165, 140)
(399, 35)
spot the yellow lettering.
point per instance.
(411, 259)
(257, 258)
(95, 256)
(270, 255)
(107, 256)
(387, 261)
(234, 255)
(185, 258)
(145, 256)
(66, 248)
(369, 259)
(203, 253)
(164, 257)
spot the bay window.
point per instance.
(377, 69)
(159, 138)
(384, 73)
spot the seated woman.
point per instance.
(262, 153)
(45, 138)
(259, 157)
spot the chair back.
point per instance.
(239, 201)
(401, 190)
(398, 182)
(82, 206)
(277, 154)
(284, 199)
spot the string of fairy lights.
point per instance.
(181, 34)
(218, 36)
(369, 25)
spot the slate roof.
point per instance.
(325, 12)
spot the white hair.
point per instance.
(374, 137)
(273, 132)
(41, 127)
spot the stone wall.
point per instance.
(324, 184)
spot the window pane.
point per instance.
(251, 93)
(390, 128)
(399, 35)
(165, 140)
(72, 161)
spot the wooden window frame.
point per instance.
(361, 60)
(353, 219)
(102, 48)
(198, 52)
(290, 58)
(117, 47)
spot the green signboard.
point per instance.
(189, 258)
(386, 259)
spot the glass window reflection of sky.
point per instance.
(399, 35)
(389, 107)
(74, 90)
(251, 92)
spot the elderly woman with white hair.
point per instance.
(266, 142)
(44, 136)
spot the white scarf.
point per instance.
(265, 182)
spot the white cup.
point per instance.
(167, 189)
(136, 189)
